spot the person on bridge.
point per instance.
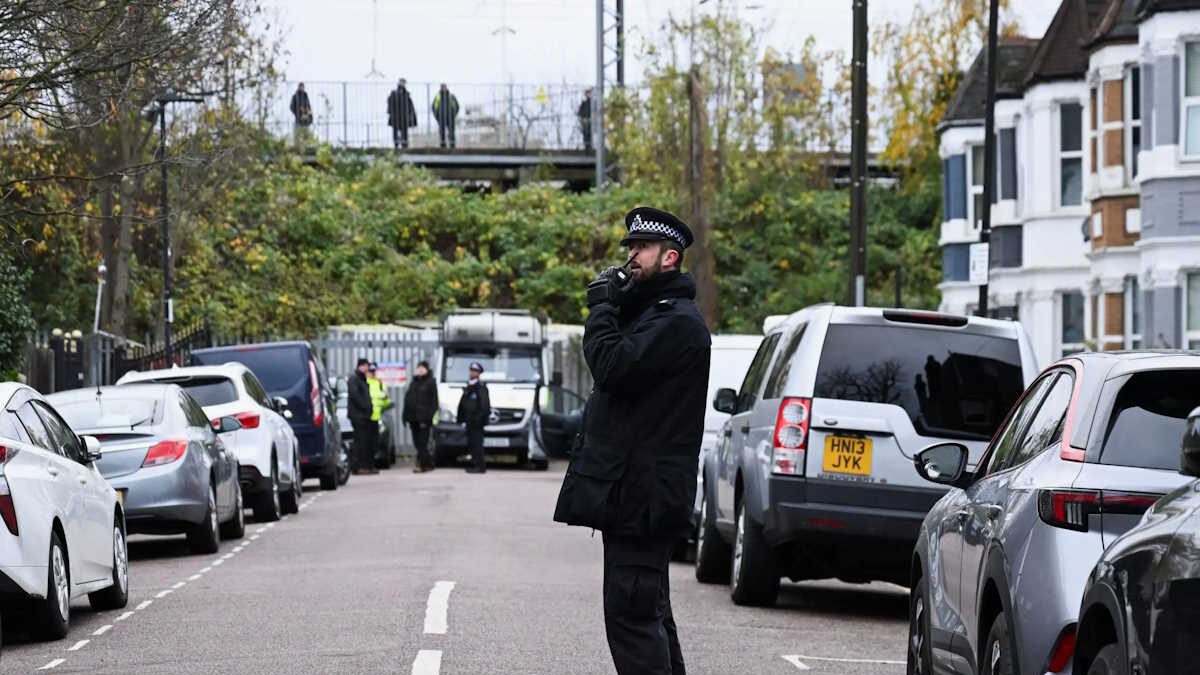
(359, 409)
(445, 110)
(402, 114)
(633, 469)
(474, 411)
(380, 403)
(302, 112)
(585, 118)
(420, 405)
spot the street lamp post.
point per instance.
(168, 305)
(103, 270)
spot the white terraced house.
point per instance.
(1096, 223)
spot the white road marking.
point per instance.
(78, 645)
(428, 662)
(227, 556)
(162, 594)
(144, 605)
(218, 563)
(195, 577)
(238, 549)
(254, 537)
(179, 585)
(437, 608)
(58, 662)
(102, 630)
(799, 659)
(124, 616)
(270, 525)
(206, 570)
(259, 531)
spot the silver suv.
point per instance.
(813, 476)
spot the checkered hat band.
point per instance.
(656, 228)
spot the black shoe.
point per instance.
(476, 470)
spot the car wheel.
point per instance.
(235, 527)
(53, 614)
(1107, 661)
(205, 536)
(117, 595)
(540, 464)
(755, 581)
(266, 504)
(290, 500)
(712, 553)
(920, 652)
(998, 650)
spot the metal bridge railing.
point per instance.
(354, 114)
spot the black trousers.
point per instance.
(420, 434)
(475, 447)
(446, 130)
(585, 126)
(637, 606)
(400, 137)
(364, 444)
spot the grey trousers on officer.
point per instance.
(637, 606)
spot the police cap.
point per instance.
(649, 224)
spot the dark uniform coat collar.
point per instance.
(663, 287)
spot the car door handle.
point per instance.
(746, 429)
(993, 511)
(728, 433)
(83, 481)
(52, 471)
(962, 516)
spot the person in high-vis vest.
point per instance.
(379, 403)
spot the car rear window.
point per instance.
(110, 410)
(280, 369)
(952, 384)
(1146, 426)
(211, 390)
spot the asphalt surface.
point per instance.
(442, 572)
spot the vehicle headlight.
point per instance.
(445, 415)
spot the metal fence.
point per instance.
(355, 114)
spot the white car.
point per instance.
(63, 531)
(266, 447)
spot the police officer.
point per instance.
(474, 409)
(380, 403)
(633, 470)
(359, 403)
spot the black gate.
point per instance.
(129, 359)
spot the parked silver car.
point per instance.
(162, 455)
(1000, 565)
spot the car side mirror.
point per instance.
(943, 463)
(725, 401)
(225, 425)
(1189, 455)
(91, 448)
(280, 402)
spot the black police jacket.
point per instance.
(421, 400)
(633, 469)
(475, 406)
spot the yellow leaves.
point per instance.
(485, 289)
(286, 300)
(784, 264)
(757, 208)
(429, 263)
(47, 231)
(455, 284)
(86, 207)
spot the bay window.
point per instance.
(1070, 154)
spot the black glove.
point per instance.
(612, 285)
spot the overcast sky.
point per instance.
(550, 41)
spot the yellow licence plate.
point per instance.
(847, 454)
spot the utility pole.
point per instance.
(160, 110)
(858, 159)
(603, 49)
(989, 153)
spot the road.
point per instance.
(441, 572)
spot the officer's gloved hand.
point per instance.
(612, 285)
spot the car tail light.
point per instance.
(248, 420)
(318, 414)
(165, 452)
(8, 510)
(1064, 649)
(1070, 508)
(791, 436)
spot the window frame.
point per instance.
(1189, 336)
(1062, 156)
(1129, 123)
(75, 450)
(746, 398)
(1185, 101)
(1017, 458)
(23, 411)
(1035, 390)
(974, 219)
(1063, 345)
(1133, 331)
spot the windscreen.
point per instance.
(952, 384)
(280, 369)
(501, 364)
(1146, 426)
(727, 369)
(211, 390)
(109, 411)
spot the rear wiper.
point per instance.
(139, 423)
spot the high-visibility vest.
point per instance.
(379, 398)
